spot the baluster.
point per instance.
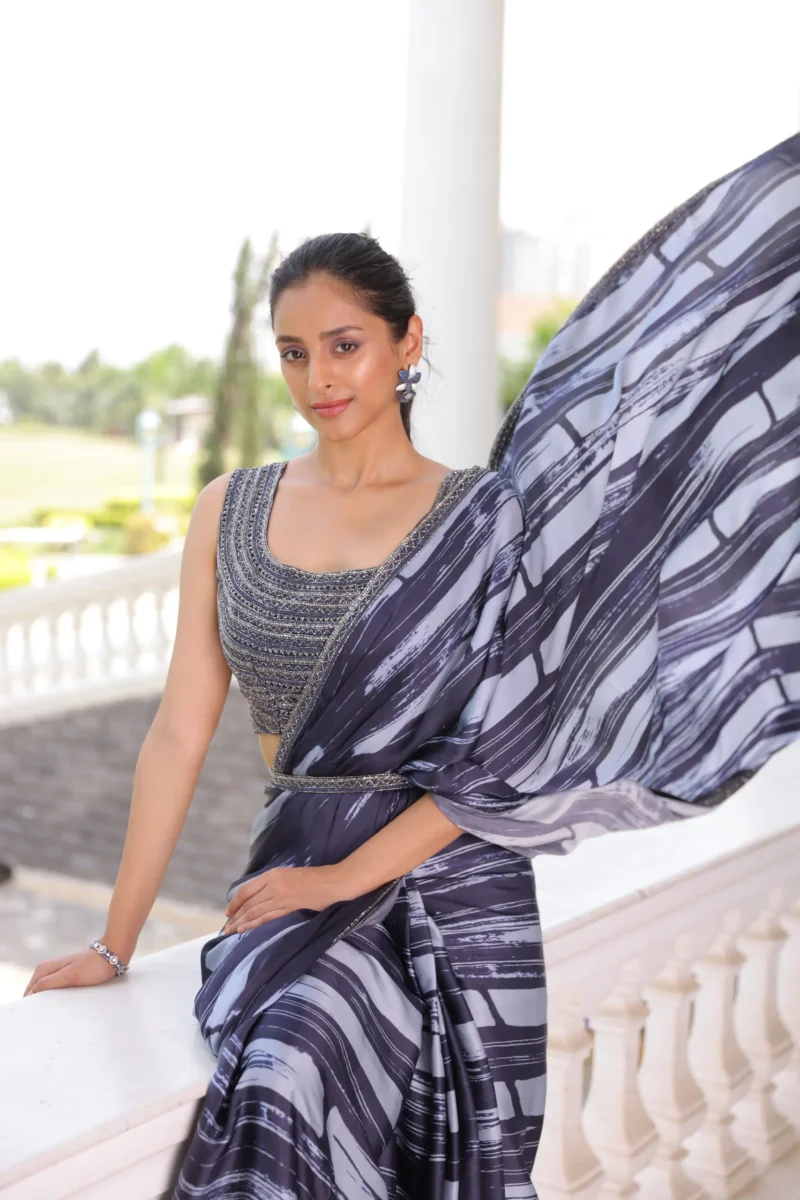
(79, 659)
(160, 640)
(43, 643)
(9, 668)
(789, 1006)
(51, 659)
(61, 654)
(15, 648)
(5, 673)
(618, 1129)
(131, 646)
(106, 651)
(565, 1164)
(715, 1158)
(764, 1039)
(668, 1088)
(30, 666)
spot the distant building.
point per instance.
(188, 420)
(543, 267)
(536, 270)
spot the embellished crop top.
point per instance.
(274, 619)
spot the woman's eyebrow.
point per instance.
(287, 337)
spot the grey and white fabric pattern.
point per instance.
(652, 632)
(589, 634)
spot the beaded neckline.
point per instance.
(273, 473)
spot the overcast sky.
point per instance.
(143, 141)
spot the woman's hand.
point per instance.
(83, 969)
(283, 890)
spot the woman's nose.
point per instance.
(320, 376)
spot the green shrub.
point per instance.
(177, 500)
(109, 541)
(15, 567)
(142, 536)
(115, 513)
(59, 517)
(118, 509)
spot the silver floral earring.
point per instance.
(406, 385)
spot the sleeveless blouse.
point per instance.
(275, 619)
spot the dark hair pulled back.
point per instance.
(373, 275)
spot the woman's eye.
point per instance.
(286, 354)
(340, 344)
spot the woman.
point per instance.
(451, 670)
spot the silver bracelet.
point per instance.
(119, 966)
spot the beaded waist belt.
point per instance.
(386, 781)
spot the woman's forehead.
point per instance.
(319, 304)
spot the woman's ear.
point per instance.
(412, 343)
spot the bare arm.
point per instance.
(173, 751)
(170, 759)
(413, 836)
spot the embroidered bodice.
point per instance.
(274, 619)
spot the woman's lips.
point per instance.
(331, 410)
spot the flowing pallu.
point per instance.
(595, 632)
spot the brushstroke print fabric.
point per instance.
(591, 633)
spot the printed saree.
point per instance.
(598, 631)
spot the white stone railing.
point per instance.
(673, 960)
(100, 638)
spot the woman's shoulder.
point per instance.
(501, 483)
(234, 488)
(492, 503)
(225, 492)
(497, 488)
(211, 498)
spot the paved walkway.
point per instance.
(44, 915)
(65, 787)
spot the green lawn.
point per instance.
(43, 467)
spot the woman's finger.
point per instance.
(263, 918)
(40, 971)
(265, 896)
(258, 912)
(64, 977)
(256, 908)
(46, 968)
(257, 888)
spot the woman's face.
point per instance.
(338, 360)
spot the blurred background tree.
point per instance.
(101, 398)
(66, 435)
(237, 396)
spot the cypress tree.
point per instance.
(235, 410)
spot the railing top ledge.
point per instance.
(147, 571)
(117, 1056)
(120, 1055)
(607, 875)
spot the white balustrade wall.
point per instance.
(674, 1030)
(673, 964)
(90, 640)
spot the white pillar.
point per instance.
(450, 223)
